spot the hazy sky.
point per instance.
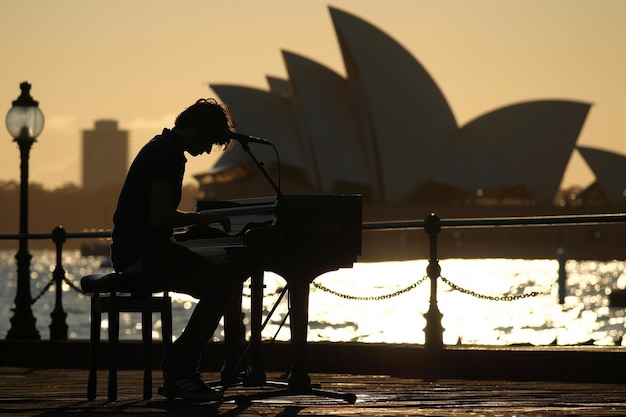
(142, 61)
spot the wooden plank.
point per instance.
(35, 392)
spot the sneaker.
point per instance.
(192, 388)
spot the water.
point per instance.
(364, 314)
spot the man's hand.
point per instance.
(205, 220)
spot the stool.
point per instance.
(117, 293)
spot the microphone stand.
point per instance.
(261, 167)
(255, 375)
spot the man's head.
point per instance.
(204, 124)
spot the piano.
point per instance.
(298, 237)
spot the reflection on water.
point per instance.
(366, 315)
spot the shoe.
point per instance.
(191, 388)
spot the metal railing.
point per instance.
(58, 325)
(432, 226)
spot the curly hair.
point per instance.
(209, 116)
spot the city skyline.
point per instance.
(117, 61)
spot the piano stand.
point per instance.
(245, 400)
(298, 380)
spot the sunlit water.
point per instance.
(358, 310)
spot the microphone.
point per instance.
(244, 139)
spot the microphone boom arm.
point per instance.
(261, 167)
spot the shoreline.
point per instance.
(521, 363)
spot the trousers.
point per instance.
(215, 286)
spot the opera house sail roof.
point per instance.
(386, 129)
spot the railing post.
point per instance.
(433, 330)
(58, 326)
(561, 256)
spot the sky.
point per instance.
(141, 62)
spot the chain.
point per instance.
(492, 298)
(272, 294)
(374, 297)
(42, 292)
(353, 297)
(72, 285)
(49, 284)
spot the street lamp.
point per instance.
(24, 122)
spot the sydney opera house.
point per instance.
(386, 131)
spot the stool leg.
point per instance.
(114, 337)
(146, 334)
(166, 331)
(94, 344)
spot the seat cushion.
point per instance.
(135, 283)
(95, 283)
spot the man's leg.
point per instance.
(215, 287)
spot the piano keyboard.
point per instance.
(243, 214)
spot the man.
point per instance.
(146, 214)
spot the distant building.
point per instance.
(105, 155)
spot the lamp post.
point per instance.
(24, 122)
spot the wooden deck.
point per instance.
(59, 392)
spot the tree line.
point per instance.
(69, 206)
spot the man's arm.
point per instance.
(163, 215)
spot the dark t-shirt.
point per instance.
(160, 159)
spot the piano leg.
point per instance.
(299, 379)
(232, 340)
(255, 375)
